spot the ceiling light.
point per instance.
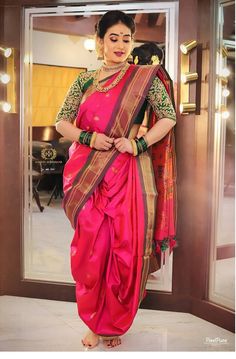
(89, 44)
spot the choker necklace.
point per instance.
(100, 88)
(109, 68)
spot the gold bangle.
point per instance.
(93, 139)
(135, 149)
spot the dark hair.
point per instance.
(111, 18)
(146, 51)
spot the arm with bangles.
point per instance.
(73, 133)
(158, 99)
(68, 112)
(162, 106)
(102, 142)
(155, 134)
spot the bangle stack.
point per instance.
(139, 145)
(87, 138)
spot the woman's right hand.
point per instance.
(103, 142)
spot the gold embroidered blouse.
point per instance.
(157, 97)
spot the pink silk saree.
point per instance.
(111, 201)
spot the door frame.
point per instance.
(189, 290)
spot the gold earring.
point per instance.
(100, 55)
(136, 60)
(99, 51)
(130, 58)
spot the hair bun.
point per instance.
(111, 18)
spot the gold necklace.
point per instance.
(108, 68)
(100, 88)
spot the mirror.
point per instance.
(222, 265)
(54, 55)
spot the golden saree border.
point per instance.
(125, 111)
(147, 180)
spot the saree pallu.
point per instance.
(165, 172)
(110, 199)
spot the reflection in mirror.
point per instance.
(58, 55)
(222, 273)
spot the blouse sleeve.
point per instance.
(70, 106)
(160, 101)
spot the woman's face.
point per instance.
(117, 44)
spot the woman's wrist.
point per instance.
(139, 145)
(87, 138)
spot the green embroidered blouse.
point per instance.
(157, 97)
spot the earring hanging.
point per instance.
(130, 58)
(136, 60)
(99, 51)
(100, 55)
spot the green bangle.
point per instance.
(141, 145)
(81, 136)
(85, 138)
(140, 148)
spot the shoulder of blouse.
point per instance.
(84, 77)
(160, 101)
(69, 109)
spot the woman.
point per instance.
(109, 183)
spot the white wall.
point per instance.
(62, 50)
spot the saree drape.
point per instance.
(111, 200)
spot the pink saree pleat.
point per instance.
(108, 247)
(107, 250)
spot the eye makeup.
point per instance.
(114, 37)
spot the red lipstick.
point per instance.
(119, 53)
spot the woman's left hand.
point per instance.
(122, 144)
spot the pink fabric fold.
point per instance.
(107, 250)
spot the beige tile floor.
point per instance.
(29, 324)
